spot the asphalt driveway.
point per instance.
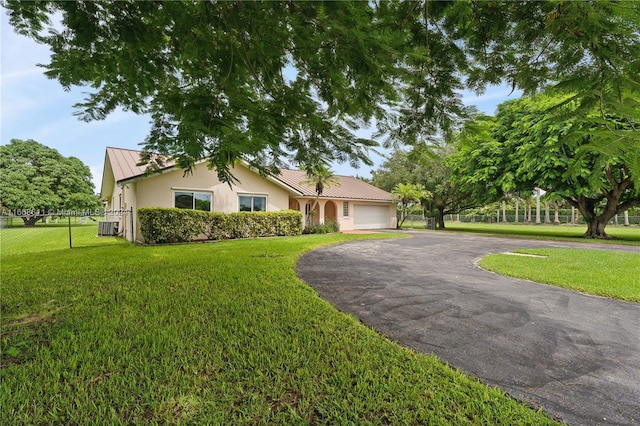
(577, 356)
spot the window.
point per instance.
(253, 203)
(193, 200)
(345, 208)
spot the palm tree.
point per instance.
(408, 194)
(320, 178)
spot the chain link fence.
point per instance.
(420, 221)
(30, 231)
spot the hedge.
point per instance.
(168, 225)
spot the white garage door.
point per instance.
(370, 217)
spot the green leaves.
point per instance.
(170, 225)
(277, 82)
(557, 142)
(37, 177)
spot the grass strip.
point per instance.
(219, 333)
(627, 235)
(598, 272)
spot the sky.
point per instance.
(35, 107)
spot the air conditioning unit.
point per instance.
(107, 229)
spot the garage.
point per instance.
(370, 217)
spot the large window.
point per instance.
(193, 200)
(253, 203)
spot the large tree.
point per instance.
(277, 81)
(36, 179)
(429, 169)
(559, 145)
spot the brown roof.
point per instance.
(349, 188)
(124, 165)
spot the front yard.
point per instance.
(221, 333)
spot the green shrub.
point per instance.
(165, 225)
(325, 228)
(162, 225)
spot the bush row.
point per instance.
(324, 228)
(168, 225)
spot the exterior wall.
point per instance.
(346, 223)
(122, 199)
(158, 190)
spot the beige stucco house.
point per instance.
(354, 204)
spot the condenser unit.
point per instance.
(107, 229)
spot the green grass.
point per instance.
(37, 239)
(620, 234)
(220, 333)
(599, 272)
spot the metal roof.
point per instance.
(124, 164)
(349, 187)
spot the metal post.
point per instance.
(70, 244)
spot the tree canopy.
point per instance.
(271, 82)
(408, 195)
(553, 143)
(431, 171)
(37, 178)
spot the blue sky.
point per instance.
(34, 107)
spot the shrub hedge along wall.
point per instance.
(167, 225)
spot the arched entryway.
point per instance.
(315, 219)
(330, 212)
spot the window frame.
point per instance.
(253, 196)
(193, 193)
(345, 209)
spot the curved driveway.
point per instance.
(577, 356)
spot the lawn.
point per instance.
(217, 333)
(629, 235)
(599, 272)
(44, 238)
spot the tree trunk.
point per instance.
(587, 206)
(517, 205)
(440, 219)
(595, 228)
(556, 215)
(626, 218)
(596, 223)
(31, 220)
(402, 216)
(311, 212)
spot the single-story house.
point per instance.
(354, 204)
